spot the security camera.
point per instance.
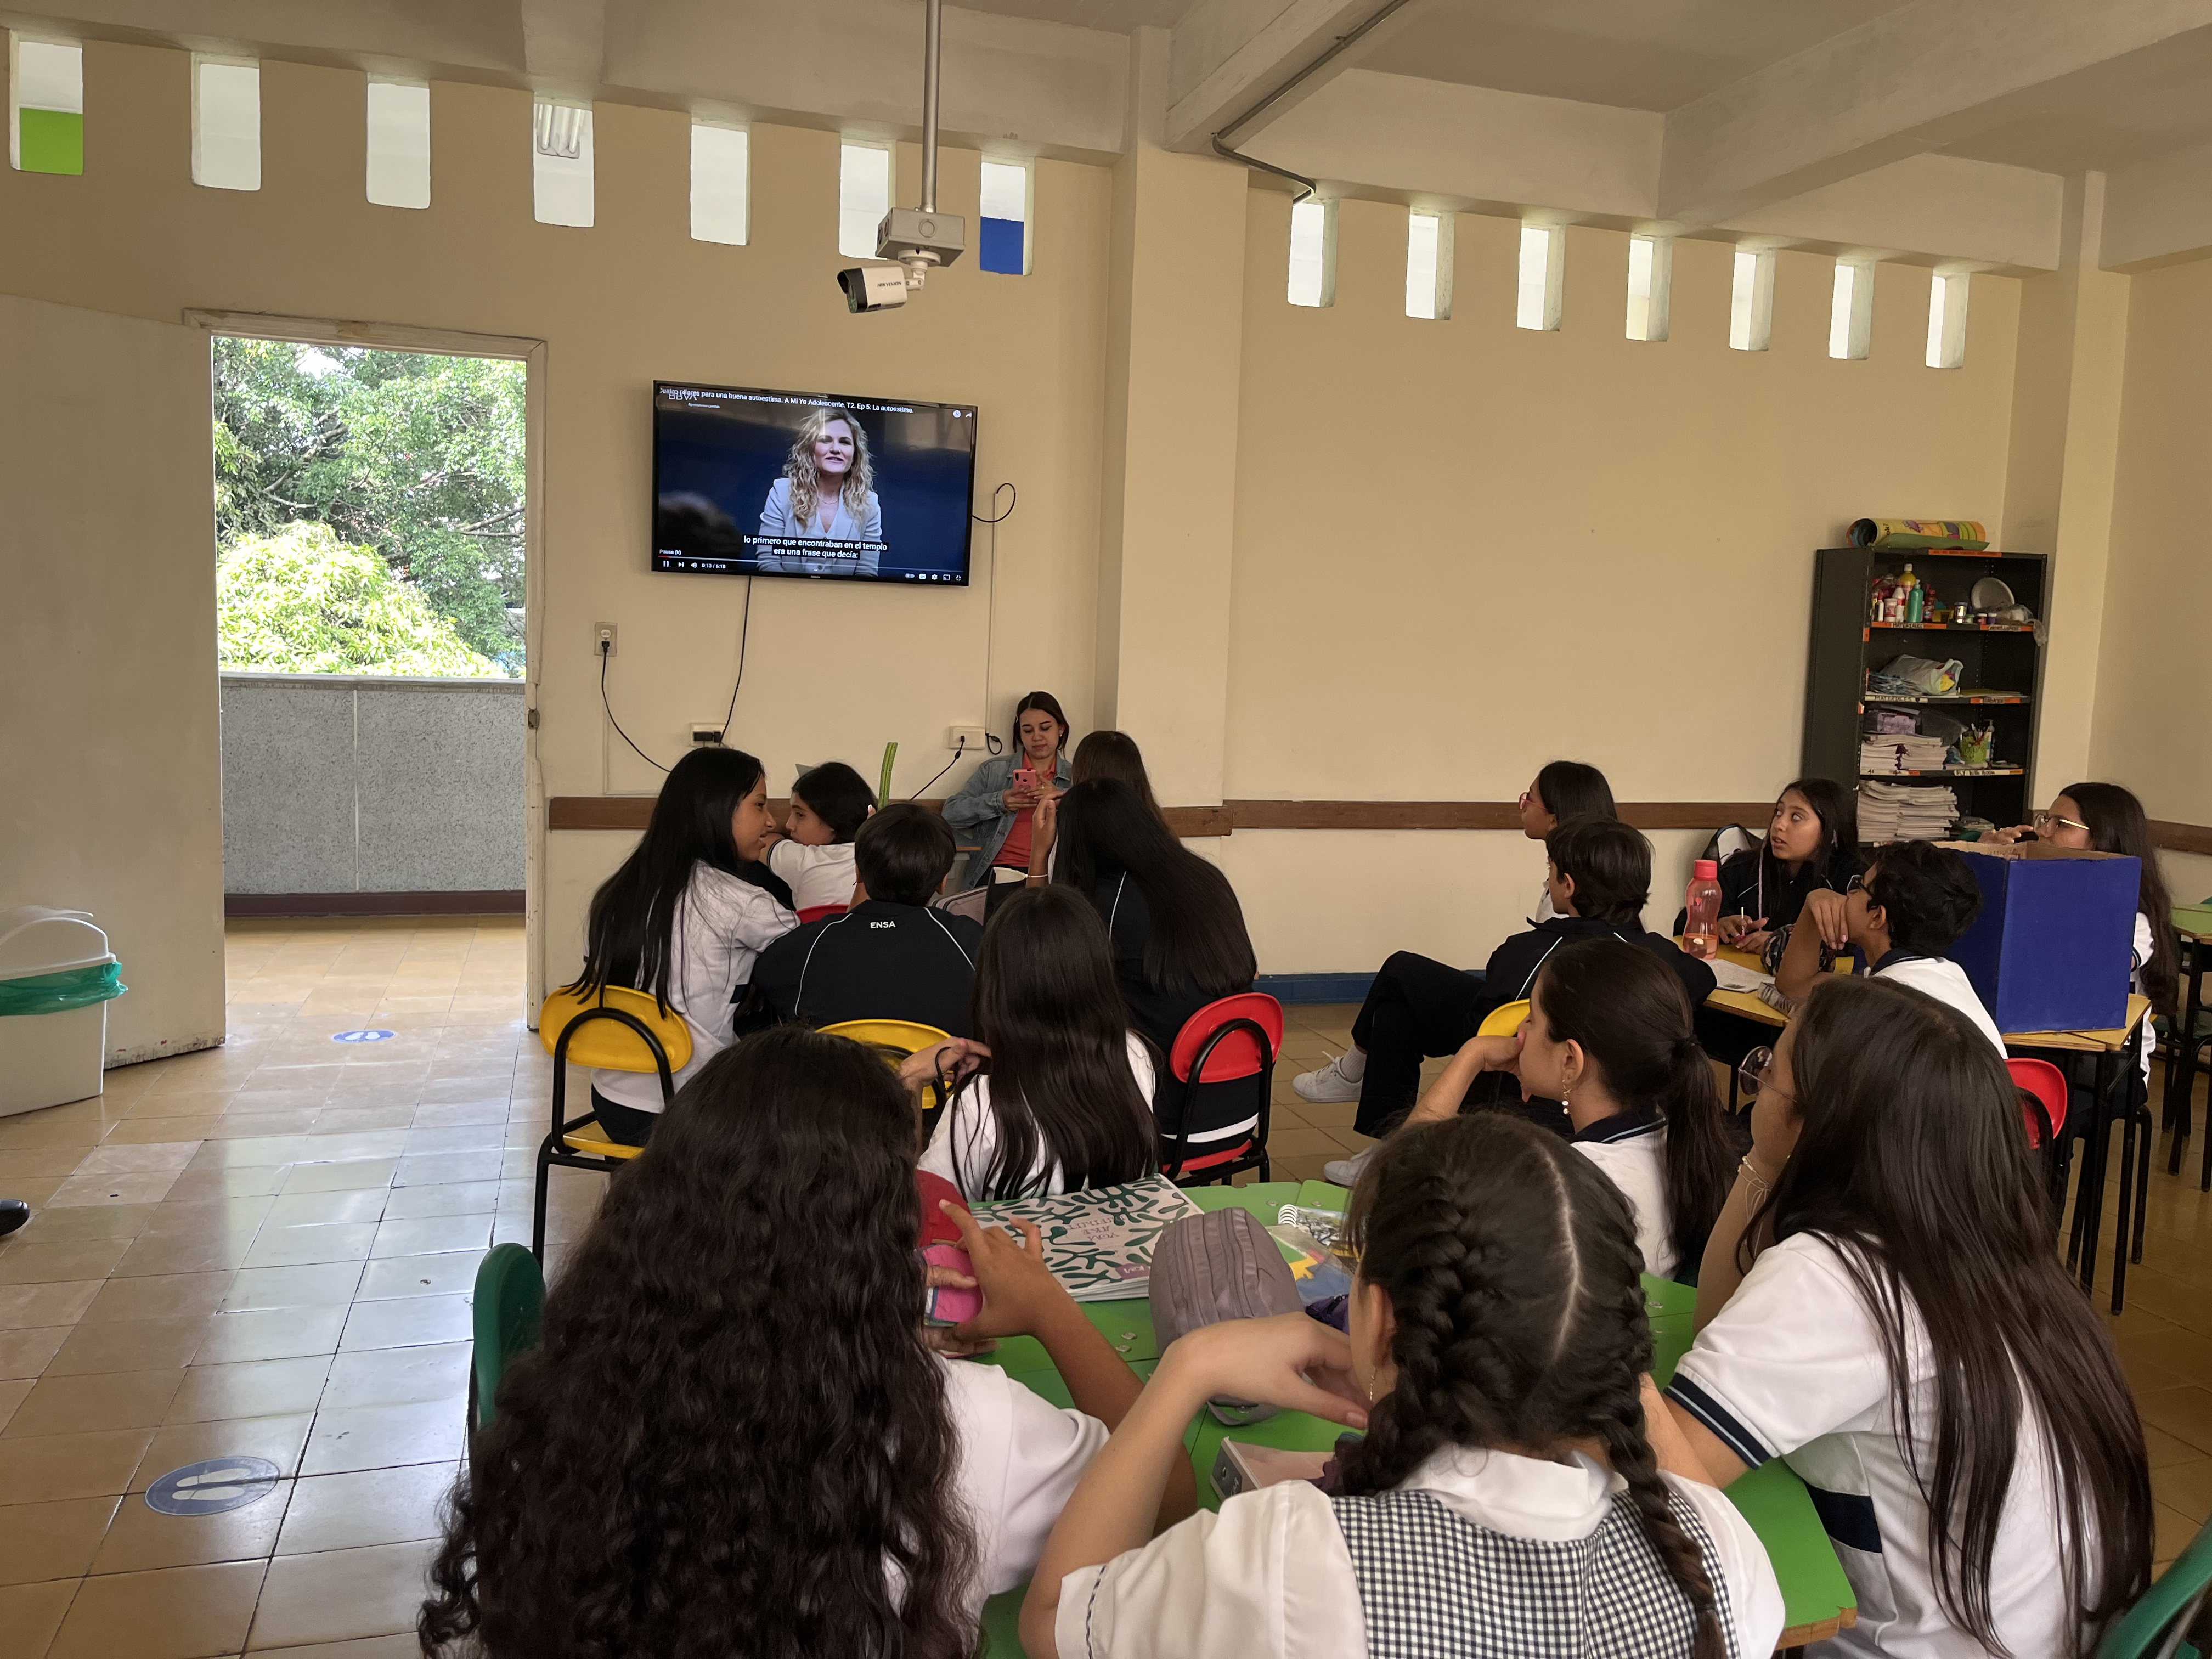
(873, 288)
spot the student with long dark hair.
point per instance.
(1812, 845)
(1881, 1304)
(1100, 755)
(1609, 1035)
(1066, 1103)
(732, 1438)
(1505, 1498)
(683, 920)
(1178, 931)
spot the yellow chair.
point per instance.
(617, 1030)
(1503, 1021)
(895, 1040)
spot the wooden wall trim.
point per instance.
(2182, 837)
(631, 812)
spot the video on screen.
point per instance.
(801, 484)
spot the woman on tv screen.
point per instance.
(826, 494)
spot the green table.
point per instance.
(1816, 1597)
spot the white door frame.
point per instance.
(459, 343)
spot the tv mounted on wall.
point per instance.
(752, 481)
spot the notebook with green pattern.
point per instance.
(1099, 1243)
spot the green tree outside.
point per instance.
(416, 457)
(302, 602)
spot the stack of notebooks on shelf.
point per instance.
(1903, 811)
(1099, 1243)
(1904, 751)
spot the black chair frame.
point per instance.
(551, 1150)
(1255, 1156)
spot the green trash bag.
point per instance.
(56, 994)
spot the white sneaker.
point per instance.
(1345, 1171)
(1327, 1087)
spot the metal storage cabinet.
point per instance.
(2004, 663)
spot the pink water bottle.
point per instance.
(1701, 927)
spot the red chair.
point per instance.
(2043, 1091)
(815, 912)
(1225, 1041)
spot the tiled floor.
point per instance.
(266, 1250)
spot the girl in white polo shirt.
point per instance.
(1505, 1499)
(1609, 1033)
(1904, 1337)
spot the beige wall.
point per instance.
(108, 789)
(1456, 550)
(1464, 548)
(833, 673)
(2154, 709)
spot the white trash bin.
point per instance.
(47, 1058)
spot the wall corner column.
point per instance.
(2060, 472)
(1175, 333)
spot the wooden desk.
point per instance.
(1817, 1598)
(2117, 1052)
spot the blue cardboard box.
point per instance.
(2053, 945)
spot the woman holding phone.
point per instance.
(999, 802)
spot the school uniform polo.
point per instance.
(1631, 1147)
(1792, 1367)
(1477, 1552)
(877, 961)
(1020, 1458)
(1943, 979)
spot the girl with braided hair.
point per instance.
(1505, 1498)
(1881, 1305)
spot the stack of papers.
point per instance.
(1903, 752)
(1900, 811)
(1099, 1243)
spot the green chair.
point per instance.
(510, 1299)
(2158, 1626)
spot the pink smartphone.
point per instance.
(949, 1305)
(1025, 778)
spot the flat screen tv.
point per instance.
(751, 482)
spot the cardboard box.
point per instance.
(2053, 948)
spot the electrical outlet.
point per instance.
(706, 734)
(969, 738)
(602, 640)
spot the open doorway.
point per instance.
(373, 495)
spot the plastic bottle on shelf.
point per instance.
(1914, 597)
(1883, 587)
(1701, 927)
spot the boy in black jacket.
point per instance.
(891, 956)
(1599, 876)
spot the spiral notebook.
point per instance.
(1099, 1243)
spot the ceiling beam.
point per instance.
(1909, 80)
(564, 45)
(1228, 55)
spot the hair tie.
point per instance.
(1689, 1047)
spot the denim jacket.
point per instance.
(979, 807)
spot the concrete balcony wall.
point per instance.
(344, 784)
